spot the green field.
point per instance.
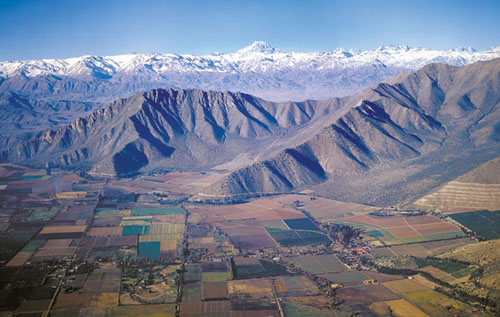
(134, 230)
(456, 270)
(301, 224)
(41, 214)
(215, 276)
(484, 222)
(193, 273)
(191, 292)
(149, 250)
(158, 211)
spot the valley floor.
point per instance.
(74, 246)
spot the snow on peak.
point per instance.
(258, 47)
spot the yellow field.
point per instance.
(71, 195)
(63, 229)
(405, 286)
(104, 300)
(19, 259)
(261, 287)
(398, 307)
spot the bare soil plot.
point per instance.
(214, 291)
(295, 286)
(256, 288)
(188, 308)
(104, 231)
(410, 249)
(19, 259)
(405, 286)
(365, 294)
(319, 264)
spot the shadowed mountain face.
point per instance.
(403, 138)
(392, 142)
(185, 129)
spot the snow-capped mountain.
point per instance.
(259, 69)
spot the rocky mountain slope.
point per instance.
(404, 137)
(170, 129)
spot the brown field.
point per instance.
(19, 259)
(405, 286)
(434, 271)
(261, 287)
(58, 243)
(410, 249)
(175, 219)
(365, 294)
(398, 307)
(104, 232)
(205, 307)
(405, 226)
(247, 235)
(435, 228)
(400, 232)
(47, 252)
(71, 300)
(175, 182)
(255, 313)
(214, 290)
(62, 229)
(381, 277)
(261, 210)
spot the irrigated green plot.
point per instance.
(33, 245)
(149, 250)
(42, 214)
(215, 276)
(287, 238)
(276, 224)
(455, 269)
(134, 230)
(301, 224)
(191, 292)
(484, 222)
(193, 273)
(314, 238)
(158, 211)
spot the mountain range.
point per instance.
(38, 88)
(385, 145)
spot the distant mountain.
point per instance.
(403, 137)
(85, 83)
(258, 69)
(170, 129)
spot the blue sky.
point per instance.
(57, 29)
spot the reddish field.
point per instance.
(400, 226)
(104, 231)
(262, 210)
(214, 290)
(205, 307)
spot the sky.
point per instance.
(65, 28)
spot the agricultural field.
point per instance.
(393, 230)
(485, 223)
(320, 264)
